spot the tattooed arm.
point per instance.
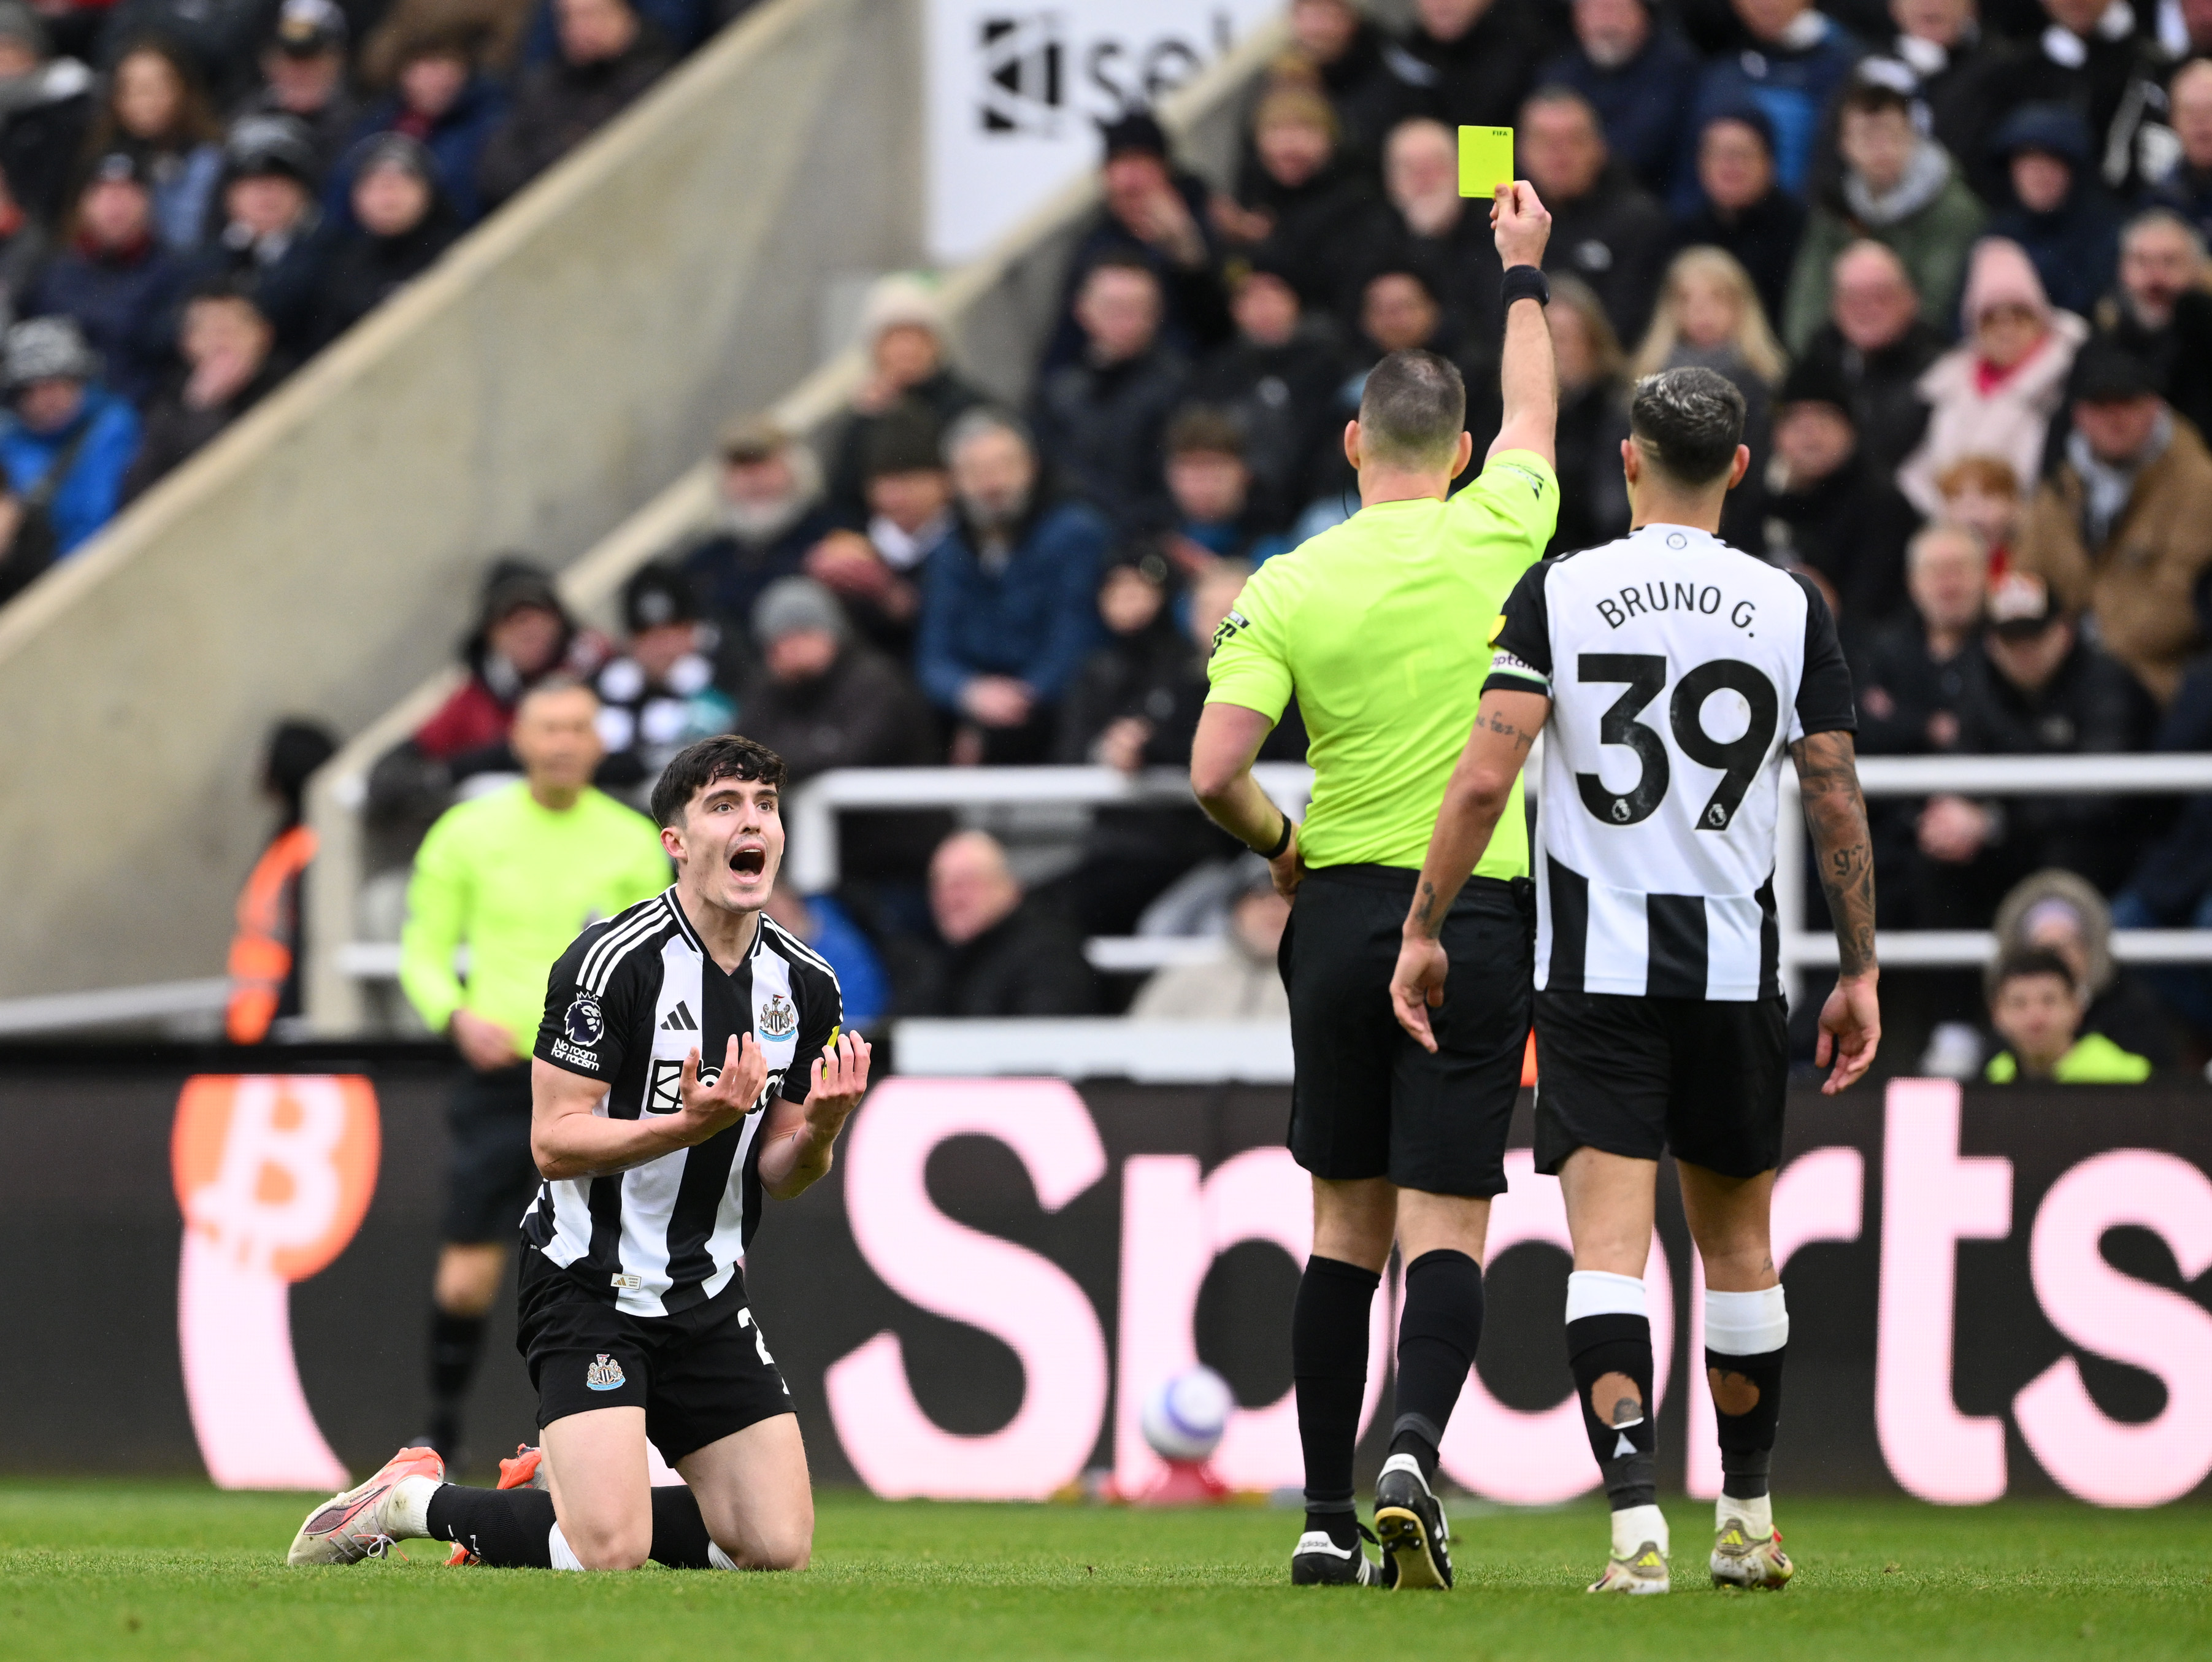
(1505, 725)
(1835, 812)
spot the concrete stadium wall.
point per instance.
(560, 365)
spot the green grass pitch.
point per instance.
(97, 1570)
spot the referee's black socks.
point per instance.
(1747, 1335)
(1437, 1334)
(456, 1343)
(1329, 1366)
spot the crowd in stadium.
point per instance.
(1956, 265)
(194, 199)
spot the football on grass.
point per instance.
(1186, 1414)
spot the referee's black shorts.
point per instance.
(1369, 1102)
(1640, 1076)
(492, 1175)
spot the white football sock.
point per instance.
(407, 1512)
(1633, 1526)
(1601, 1293)
(720, 1559)
(564, 1556)
(1756, 1514)
(1746, 1323)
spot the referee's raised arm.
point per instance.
(1527, 378)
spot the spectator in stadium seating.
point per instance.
(2171, 887)
(769, 514)
(1242, 984)
(270, 237)
(1279, 378)
(1605, 230)
(608, 57)
(440, 96)
(1296, 196)
(910, 374)
(1003, 954)
(2187, 186)
(157, 111)
(2036, 1005)
(907, 504)
(1984, 494)
(1912, 675)
(1007, 612)
(1709, 316)
(1425, 226)
(1129, 684)
(230, 364)
(828, 701)
(24, 249)
(1960, 71)
(1994, 393)
(1879, 345)
(863, 987)
(68, 439)
(1830, 508)
(114, 279)
(46, 109)
(1899, 188)
(2054, 207)
(523, 635)
(1155, 213)
(2094, 58)
(2060, 912)
(1742, 209)
(2161, 309)
(1640, 76)
(1217, 516)
(1100, 419)
(2122, 528)
(303, 75)
(27, 536)
(1344, 49)
(1593, 419)
(402, 226)
(657, 693)
(2038, 689)
(1471, 62)
(1798, 59)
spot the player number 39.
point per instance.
(1739, 759)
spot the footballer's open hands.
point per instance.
(1851, 1030)
(736, 1092)
(1417, 986)
(839, 1080)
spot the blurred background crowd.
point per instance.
(1956, 260)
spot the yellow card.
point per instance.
(1486, 160)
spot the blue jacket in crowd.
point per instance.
(1643, 105)
(89, 495)
(455, 143)
(1791, 84)
(1035, 619)
(127, 309)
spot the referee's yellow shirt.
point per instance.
(1381, 627)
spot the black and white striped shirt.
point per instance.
(624, 1005)
(1679, 669)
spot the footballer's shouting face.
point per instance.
(729, 844)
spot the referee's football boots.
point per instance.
(1318, 1562)
(349, 1527)
(1411, 1525)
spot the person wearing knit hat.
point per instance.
(2059, 212)
(403, 223)
(659, 695)
(273, 237)
(1994, 393)
(902, 333)
(60, 416)
(111, 273)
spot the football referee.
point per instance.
(1381, 628)
(513, 875)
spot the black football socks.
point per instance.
(514, 1527)
(1438, 1332)
(456, 1344)
(1329, 1368)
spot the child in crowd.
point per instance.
(2036, 1005)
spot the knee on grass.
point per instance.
(789, 1547)
(617, 1549)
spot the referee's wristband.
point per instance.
(1525, 283)
(1281, 842)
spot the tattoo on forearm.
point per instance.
(1835, 812)
(1425, 906)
